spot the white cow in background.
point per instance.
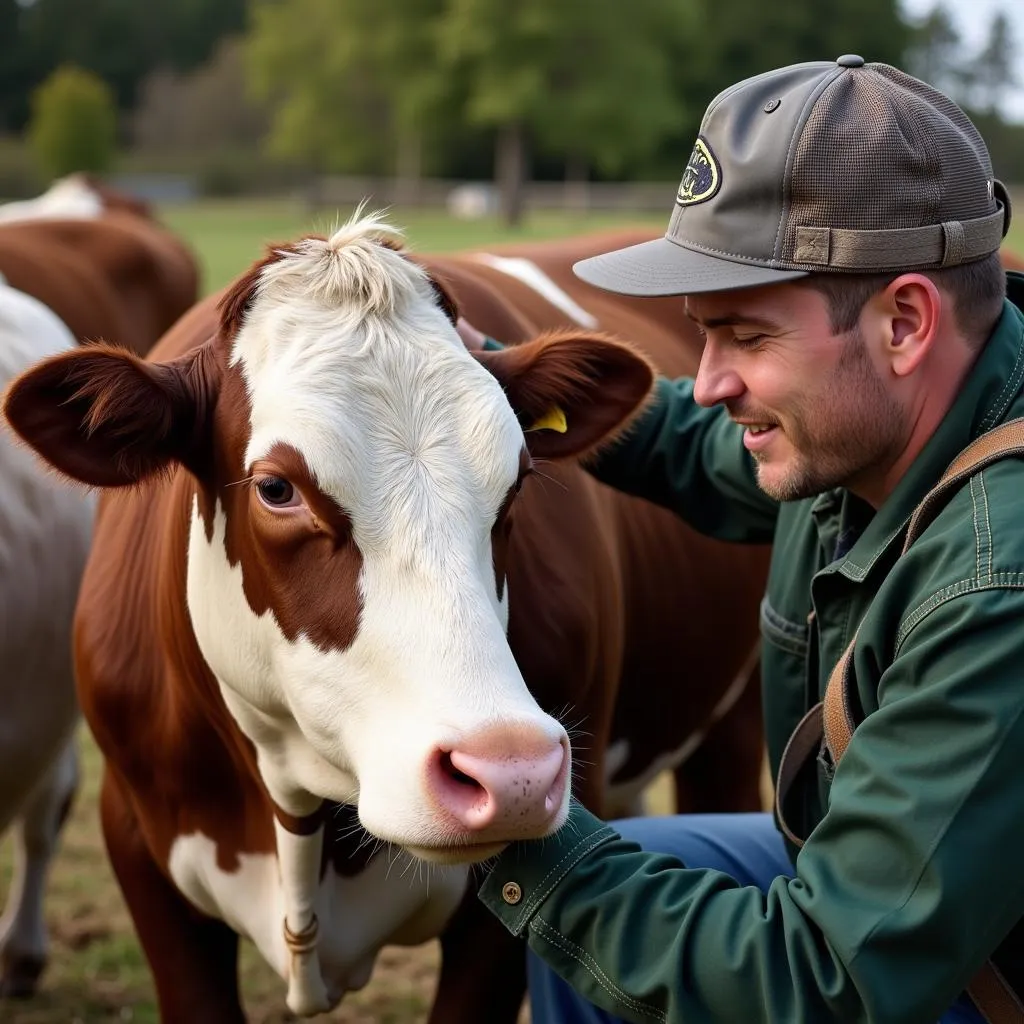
(72, 196)
(45, 531)
(76, 196)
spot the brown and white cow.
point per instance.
(45, 528)
(100, 260)
(307, 619)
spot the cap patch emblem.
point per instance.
(702, 177)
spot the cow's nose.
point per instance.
(502, 784)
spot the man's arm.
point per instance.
(901, 893)
(690, 460)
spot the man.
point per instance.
(836, 236)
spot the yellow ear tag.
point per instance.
(553, 419)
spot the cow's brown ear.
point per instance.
(104, 417)
(571, 391)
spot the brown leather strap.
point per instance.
(802, 746)
(999, 443)
(995, 999)
(830, 724)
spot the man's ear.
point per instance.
(904, 319)
(104, 417)
(571, 391)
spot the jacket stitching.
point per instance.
(1010, 580)
(988, 526)
(860, 571)
(586, 961)
(1009, 389)
(561, 869)
(977, 531)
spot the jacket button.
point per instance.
(511, 892)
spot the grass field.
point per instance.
(230, 235)
(97, 972)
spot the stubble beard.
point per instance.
(849, 432)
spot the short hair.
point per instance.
(977, 289)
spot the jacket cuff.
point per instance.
(527, 873)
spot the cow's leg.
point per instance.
(194, 958)
(483, 968)
(300, 844)
(24, 941)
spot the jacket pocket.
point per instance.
(782, 632)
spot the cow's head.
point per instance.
(355, 473)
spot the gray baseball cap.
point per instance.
(824, 166)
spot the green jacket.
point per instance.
(914, 872)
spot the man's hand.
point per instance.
(471, 337)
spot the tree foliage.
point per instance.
(347, 79)
(74, 123)
(586, 88)
(589, 81)
(993, 71)
(353, 81)
(16, 78)
(935, 50)
(206, 109)
(121, 41)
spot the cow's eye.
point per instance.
(276, 492)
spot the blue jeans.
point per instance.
(747, 847)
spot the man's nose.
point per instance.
(716, 380)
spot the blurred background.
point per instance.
(482, 107)
(475, 121)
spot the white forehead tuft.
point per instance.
(354, 272)
(349, 359)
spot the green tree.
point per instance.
(591, 81)
(740, 38)
(204, 110)
(993, 70)
(74, 122)
(352, 83)
(934, 52)
(122, 41)
(15, 68)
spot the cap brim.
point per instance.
(663, 267)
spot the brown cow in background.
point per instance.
(100, 260)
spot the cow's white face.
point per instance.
(343, 583)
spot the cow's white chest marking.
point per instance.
(390, 902)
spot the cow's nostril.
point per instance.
(454, 774)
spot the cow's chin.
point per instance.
(469, 853)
